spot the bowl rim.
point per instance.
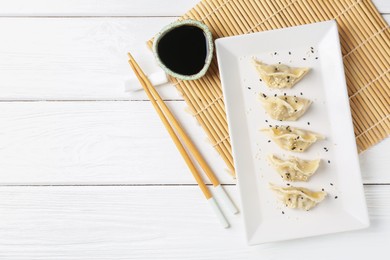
(209, 39)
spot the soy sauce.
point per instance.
(183, 50)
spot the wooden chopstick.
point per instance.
(187, 141)
(164, 111)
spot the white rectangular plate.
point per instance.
(316, 46)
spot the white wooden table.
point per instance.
(87, 171)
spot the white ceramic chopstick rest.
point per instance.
(157, 78)
(221, 193)
(218, 212)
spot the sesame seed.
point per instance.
(308, 123)
(269, 141)
(270, 125)
(260, 79)
(323, 189)
(288, 184)
(264, 95)
(304, 58)
(331, 184)
(328, 161)
(266, 121)
(275, 53)
(275, 95)
(284, 94)
(282, 212)
(249, 88)
(316, 58)
(289, 53)
(279, 62)
(335, 197)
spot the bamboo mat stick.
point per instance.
(365, 44)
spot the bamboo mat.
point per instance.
(365, 43)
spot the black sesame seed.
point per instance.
(249, 88)
(279, 62)
(301, 93)
(285, 98)
(316, 58)
(298, 137)
(312, 48)
(335, 197)
(269, 141)
(260, 79)
(275, 53)
(308, 123)
(288, 184)
(328, 161)
(323, 189)
(300, 149)
(266, 121)
(312, 51)
(296, 101)
(295, 110)
(282, 212)
(304, 58)
(270, 125)
(289, 53)
(275, 95)
(331, 184)
(264, 95)
(293, 148)
(284, 94)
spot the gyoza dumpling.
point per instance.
(298, 197)
(284, 107)
(294, 169)
(292, 139)
(279, 75)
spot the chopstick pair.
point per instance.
(171, 124)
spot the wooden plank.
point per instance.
(74, 59)
(112, 143)
(95, 142)
(159, 223)
(110, 8)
